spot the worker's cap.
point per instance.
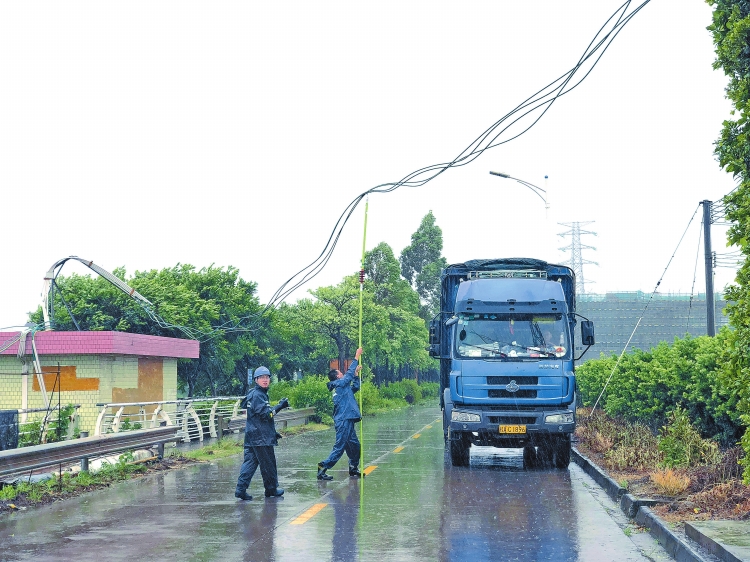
(260, 371)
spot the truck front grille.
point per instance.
(495, 393)
(514, 420)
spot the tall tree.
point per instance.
(731, 35)
(389, 288)
(394, 337)
(334, 315)
(421, 263)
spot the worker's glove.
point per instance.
(283, 403)
(279, 435)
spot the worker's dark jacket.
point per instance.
(260, 429)
(344, 404)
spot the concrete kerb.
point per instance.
(638, 509)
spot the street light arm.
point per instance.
(535, 188)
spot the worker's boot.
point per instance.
(322, 473)
(274, 492)
(354, 471)
(242, 495)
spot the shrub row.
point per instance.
(648, 386)
(312, 391)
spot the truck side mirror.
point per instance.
(587, 332)
(434, 347)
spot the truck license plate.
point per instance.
(512, 429)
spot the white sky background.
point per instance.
(143, 134)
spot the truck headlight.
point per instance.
(458, 416)
(559, 418)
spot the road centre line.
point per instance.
(305, 517)
(403, 443)
(307, 514)
(416, 436)
(398, 449)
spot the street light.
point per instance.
(536, 189)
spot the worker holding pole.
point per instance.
(346, 414)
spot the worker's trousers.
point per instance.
(263, 456)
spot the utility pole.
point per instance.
(576, 257)
(710, 321)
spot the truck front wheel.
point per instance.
(562, 452)
(447, 409)
(529, 457)
(460, 451)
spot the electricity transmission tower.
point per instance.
(576, 248)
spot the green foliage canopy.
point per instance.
(183, 296)
(731, 34)
(422, 262)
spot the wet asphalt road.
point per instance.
(413, 506)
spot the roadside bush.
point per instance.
(430, 390)
(310, 392)
(279, 390)
(636, 447)
(648, 386)
(683, 446)
(407, 390)
(728, 468)
(623, 445)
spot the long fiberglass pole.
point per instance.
(361, 296)
(361, 411)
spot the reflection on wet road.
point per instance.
(413, 505)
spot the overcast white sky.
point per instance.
(143, 134)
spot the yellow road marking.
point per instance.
(305, 517)
(369, 469)
(398, 449)
(416, 436)
(428, 427)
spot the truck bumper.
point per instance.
(519, 428)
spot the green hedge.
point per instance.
(312, 391)
(648, 386)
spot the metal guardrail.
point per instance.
(193, 417)
(39, 456)
(284, 419)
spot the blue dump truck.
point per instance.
(504, 338)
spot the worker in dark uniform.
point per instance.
(260, 438)
(345, 415)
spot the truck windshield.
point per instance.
(512, 337)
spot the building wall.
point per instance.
(615, 315)
(89, 380)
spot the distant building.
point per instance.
(667, 316)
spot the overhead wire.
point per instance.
(643, 313)
(695, 274)
(541, 101)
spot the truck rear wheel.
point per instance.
(562, 453)
(460, 451)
